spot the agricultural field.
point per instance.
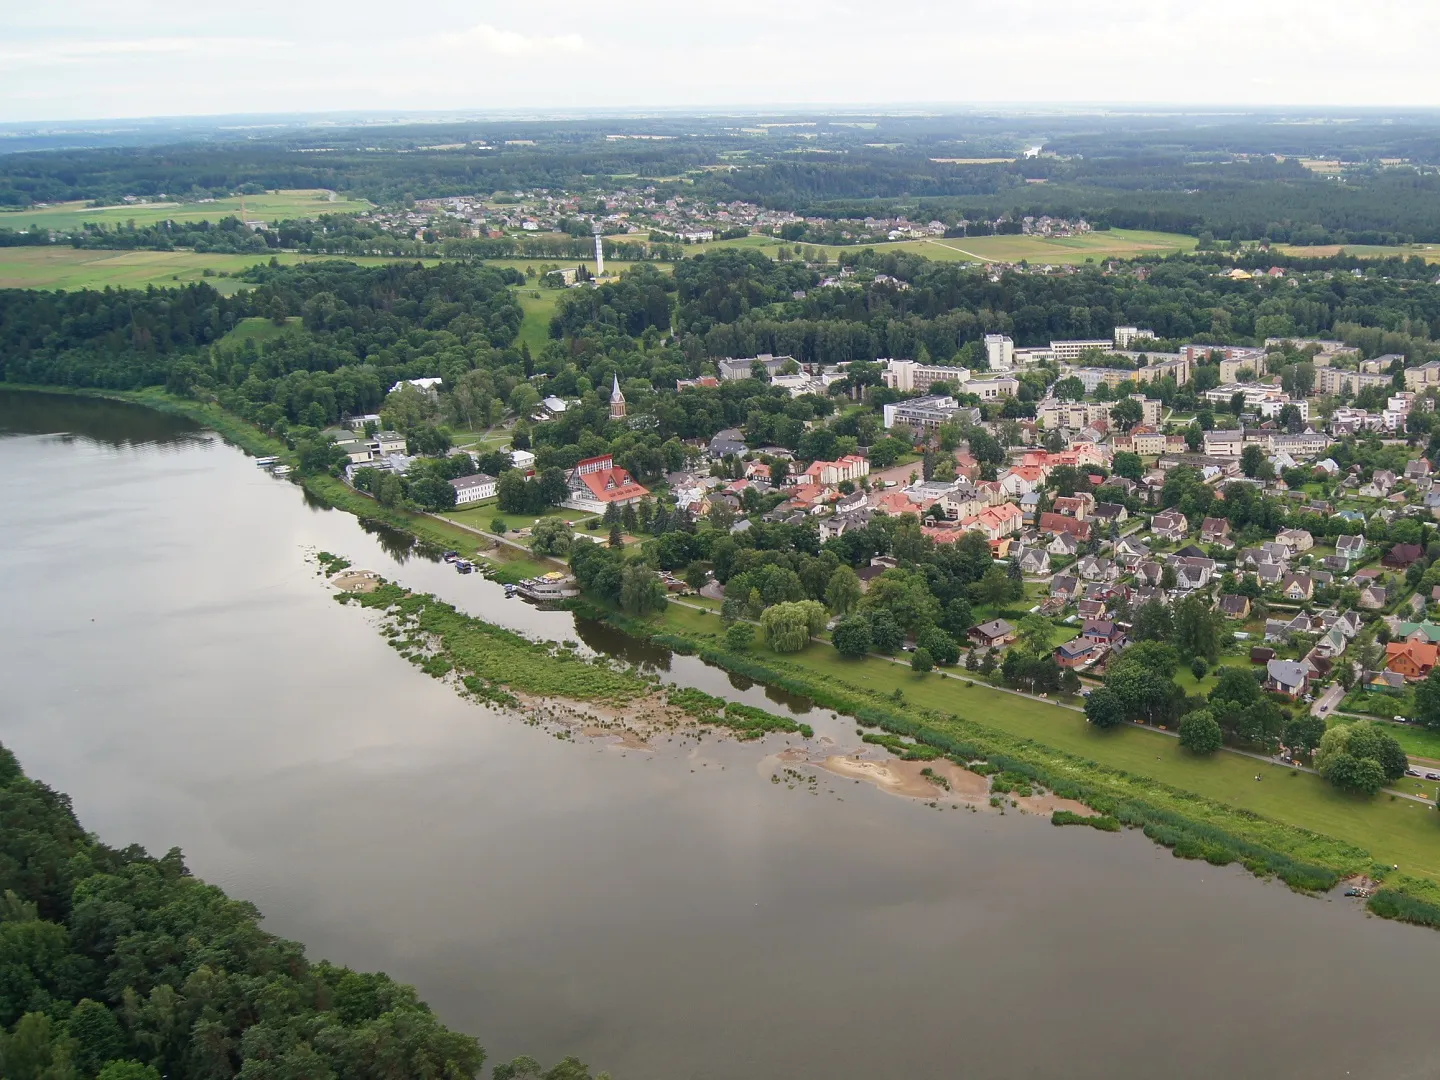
(1429, 252)
(60, 267)
(1069, 250)
(271, 206)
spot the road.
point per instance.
(1327, 701)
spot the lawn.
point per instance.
(260, 330)
(481, 515)
(60, 267)
(539, 306)
(1096, 246)
(1398, 832)
(271, 206)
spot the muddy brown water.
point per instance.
(170, 659)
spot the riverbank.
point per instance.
(1200, 808)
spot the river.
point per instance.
(171, 660)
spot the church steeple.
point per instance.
(617, 401)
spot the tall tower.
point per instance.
(600, 260)
(617, 399)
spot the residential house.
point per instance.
(1130, 552)
(1033, 560)
(1235, 606)
(1191, 574)
(1297, 540)
(1110, 513)
(1075, 506)
(1385, 682)
(1374, 597)
(1053, 523)
(1350, 548)
(1065, 586)
(1170, 526)
(729, 442)
(992, 634)
(1063, 545)
(1297, 587)
(831, 473)
(1094, 568)
(1102, 632)
(1416, 468)
(1402, 556)
(1091, 609)
(1216, 531)
(1270, 575)
(1287, 677)
(1149, 573)
(1076, 652)
(469, 489)
(1411, 659)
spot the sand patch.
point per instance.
(356, 581)
(908, 777)
(1048, 804)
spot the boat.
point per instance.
(281, 470)
(548, 587)
(450, 556)
(509, 590)
(464, 567)
(267, 462)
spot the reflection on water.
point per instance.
(113, 424)
(604, 638)
(661, 914)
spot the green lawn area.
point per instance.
(271, 206)
(1185, 678)
(1398, 832)
(1415, 741)
(539, 306)
(260, 330)
(1096, 246)
(481, 515)
(60, 267)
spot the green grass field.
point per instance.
(73, 268)
(1396, 832)
(539, 306)
(481, 515)
(261, 330)
(272, 206)
(1115, 244)
(1429, 252)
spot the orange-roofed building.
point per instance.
(849, 467)
(597, 482)
(1412, 659)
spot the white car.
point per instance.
(1400, 720)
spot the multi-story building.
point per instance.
(1149, 409)
(909, 376)
(1125, 336)
(1426, 375)
(999, 352)
(992, 389)
(1231, 367)
(1178, 368)
(1092, 377)
(1331, 381)
(927, 413)
(1067, 352)
(732, 368)
(1224, 443)
(829, 473)
(1053, 414)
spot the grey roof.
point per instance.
(1286, 672)
(995, 628)
(464, 483)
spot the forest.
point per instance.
(120, 965)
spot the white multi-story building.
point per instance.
(469, 489)
(1125, 336)
(1067, 352)
(999, 352)
(910, 376)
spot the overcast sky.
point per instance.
(73, 59)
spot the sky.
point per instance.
(83, 59)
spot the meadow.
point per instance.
(271, 206)
(1066, 250)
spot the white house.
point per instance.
(471, 489)
(429, 386)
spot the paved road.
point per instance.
(1327, 701)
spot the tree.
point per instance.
(842, 592)
(1033, 635)
(992, 589)
(1199, 733)
(940, 645)
(1198, 628)
(1198, 668)
(851, 637)
(1125, 414)
(696, 576)
(497, 525)
(1128, 465)
(97, 1035)
(886, 635)
(1359, 757)
(787, 627)
(1251, 458)
(551, 536)
(616, 538)
(1153, 622)
(921, 661)
(1303, 734)
(739, 636)
(641, 592)
(1104, 708)
(1350, 773)
(1427, 700)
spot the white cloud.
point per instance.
(482, 37)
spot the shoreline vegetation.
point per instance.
(1190, 824)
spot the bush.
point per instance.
(1198, 667)
(851, 637)
(739, 636)
(921, 661)
(1104, 708)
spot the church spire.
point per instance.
(617, 401)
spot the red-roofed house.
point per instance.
(596, 482)
(1051, 524)
(1412, 659)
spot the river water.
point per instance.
(171, 660)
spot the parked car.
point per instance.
(1432, 776)
(1400, 720)
(1412, 772)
